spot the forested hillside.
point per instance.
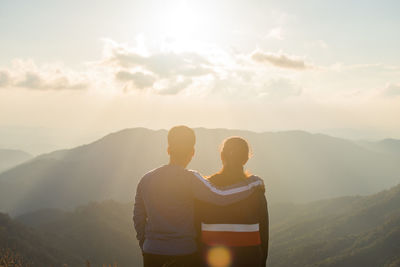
(341, 232)
(345, 232)
(98, 233)
(29, 243)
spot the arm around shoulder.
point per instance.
(205, 191)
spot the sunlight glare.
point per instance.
(181, 21)
(219, 256)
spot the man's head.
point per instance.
(181, 141)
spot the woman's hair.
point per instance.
(234, 153)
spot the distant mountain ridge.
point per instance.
(388, 146)
(10, 158)
(296, 166)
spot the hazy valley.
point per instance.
(296, 167)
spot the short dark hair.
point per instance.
(181, 141)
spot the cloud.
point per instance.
(163, 64)
(139, 79)
(168, 72)
(391, 90)
(25, 74)
(38, 81)
(162, 71)
(281, 60)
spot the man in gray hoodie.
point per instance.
(164, 204)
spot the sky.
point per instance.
(91, 67)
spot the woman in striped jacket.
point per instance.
(234, 235)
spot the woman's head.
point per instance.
(235, 152)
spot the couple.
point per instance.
(183, 219)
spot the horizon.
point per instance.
(64, 143)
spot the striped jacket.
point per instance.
(243, 227)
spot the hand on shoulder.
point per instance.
(259, 181)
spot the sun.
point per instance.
(182, 21)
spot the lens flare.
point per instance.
(219, 256)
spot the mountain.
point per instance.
(341, 232)
(10, 158)
(387, 146)
(28, 243)
(101, 233)
(296, 166)
(42, 216)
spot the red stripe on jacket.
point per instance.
(231, 239)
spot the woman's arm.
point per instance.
(264, 226)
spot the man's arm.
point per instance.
(205, 191)
(139, 216)
(264, 227)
